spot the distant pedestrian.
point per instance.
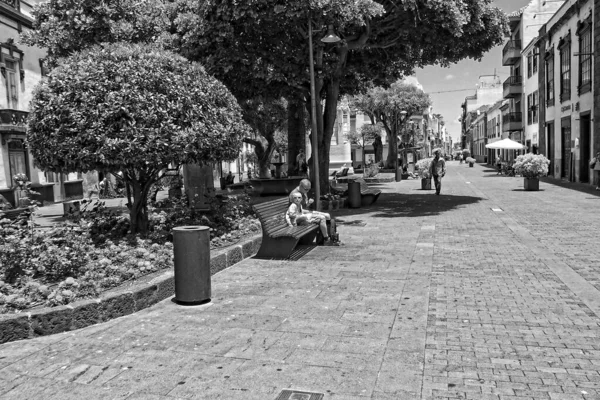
(460, 158)
(499, 164)
(438, 170)
(595, 165)
(301, 163)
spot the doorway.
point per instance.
(550, 150)
(565, 133)
(584, 147)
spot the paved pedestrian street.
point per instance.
(484, 292)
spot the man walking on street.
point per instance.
(438, 170)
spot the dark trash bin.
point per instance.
(191, 247)
(354, 194)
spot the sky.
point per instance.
(463, 75)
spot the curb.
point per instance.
(114, 303)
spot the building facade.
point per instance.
(567, 52)
(21, 69)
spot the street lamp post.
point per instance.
(331, 37)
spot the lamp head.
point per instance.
(331, 37)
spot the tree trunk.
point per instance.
(296, 133)
(392, 137)
(138, 213)
(378, 147)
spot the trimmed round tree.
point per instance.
(132, 110)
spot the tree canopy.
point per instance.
(133, 109)
(392, 107)
(263, 44)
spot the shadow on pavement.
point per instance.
(580, 187)
(398, 205)
(523, 190)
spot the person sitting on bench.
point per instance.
(229, 178)
(295, 216)
(303, 189)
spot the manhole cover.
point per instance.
(298, 395)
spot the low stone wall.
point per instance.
(117, 302)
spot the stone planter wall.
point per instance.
(115, 303)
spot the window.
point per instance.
(529, 65)
(12, 83)
(535, 62)
(585, 60)
(534, 107)
(565, 70)
(529, 109)
(550, 79)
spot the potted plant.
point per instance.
(471, 161)
(424, 170)
(531, 166)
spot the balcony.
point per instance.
(13, 121)
(511, 52)
(513, 87)
(512, 121)
(12, 3)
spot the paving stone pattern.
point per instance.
(432, 297)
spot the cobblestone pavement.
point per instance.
(484, 292)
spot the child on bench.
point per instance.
(295, 216)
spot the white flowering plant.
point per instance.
(424, 168)
(531, 165)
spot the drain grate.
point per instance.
(299, 395)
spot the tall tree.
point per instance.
(367, 134)
(63, 27)
(264, 44)
(391, 107)
(268, 118)
(132, 110)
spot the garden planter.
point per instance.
(531, 184)
(335, 204)
(270, 187)
(426, 183)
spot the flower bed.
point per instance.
(93, 253)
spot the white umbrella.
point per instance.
(505, 144)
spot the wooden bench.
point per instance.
(368, 196)
(13, 213)
(279, 239)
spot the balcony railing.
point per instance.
(513, 87)
(13, 120)
(511, 52)
(12, 3)
(512, 121)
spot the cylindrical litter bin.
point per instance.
(398, 174)
(354, 194)
(191, 247)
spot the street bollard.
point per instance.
(191, 247)
(354, 198)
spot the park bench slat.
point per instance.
(368, 195)
(13, 213)
(279, 239)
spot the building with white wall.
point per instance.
(21, 69)
(568, 83)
